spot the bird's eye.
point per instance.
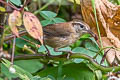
(81, 26)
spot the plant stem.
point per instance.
(51, 1)
(13, 49)
(94, 10)
(59, 75)
(118, 2)
(95, 64)
(63, 58)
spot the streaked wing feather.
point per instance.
(58, 30)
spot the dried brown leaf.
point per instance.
(108, 16)
(15, 20)
(111, 53)
(33, 26)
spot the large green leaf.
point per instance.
(58, 20)
(5, 71)
(83, 51)
(16, 2)
(48, 14)
(20, 43)
(52, 51)
(1, 79)
(23, 74)
(70, 72)
(47, 22)
(44, 78)
(88, 52)
(31, 66)
(91, 46)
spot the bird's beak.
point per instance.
(93, 34)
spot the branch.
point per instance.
(64, 57)
(11, 36)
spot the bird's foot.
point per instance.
(69, 54)
(48, 52)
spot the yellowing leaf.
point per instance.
(77, 1)
(15, 20)
(2, 9)
(33, 26)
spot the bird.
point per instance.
(60, 35)
(64, 34)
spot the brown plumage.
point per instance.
(64, 34)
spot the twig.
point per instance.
(103, 58)
(11, 36)
(1, 1)
(13, 49)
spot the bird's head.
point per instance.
(82, 28)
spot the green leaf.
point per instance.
(92, 39)
(88, 52)
(59, 75)
(1, 79)
(117, 2)
(98, 74)
(31, 66)
(76, 44)
(76, 60)
(65, 49)
(42, 48)
(44, 78)
(36, 78)
(48, 14)
(23, 74)
(58, 20)
(91, 46)
(53, 21)
(16, 2)
(83, 51)
(20, 43)
(52, 51)
(85, 36)
(70, 72)
(47, 22)
(6, 72)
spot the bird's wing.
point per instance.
(58, 30)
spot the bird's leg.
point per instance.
(69, 52)
(48, 52)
